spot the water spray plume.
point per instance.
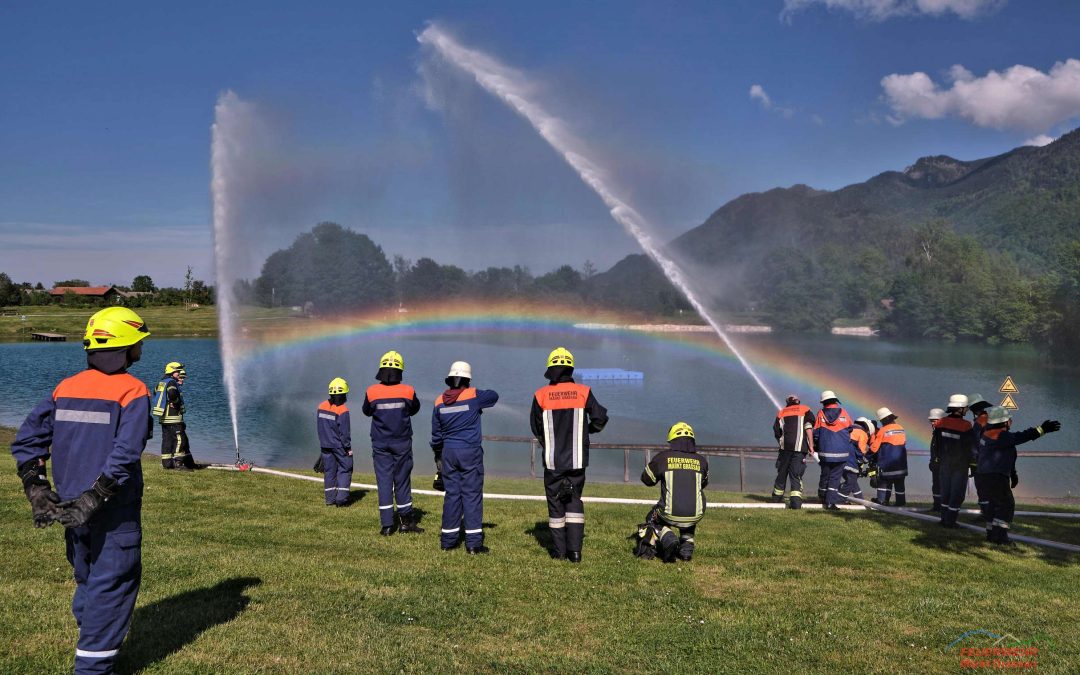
(510, 86)
(229, 114)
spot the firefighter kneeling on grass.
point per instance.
(997, 468)
(683, 475)
(169, 409)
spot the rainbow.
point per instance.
(784, 371)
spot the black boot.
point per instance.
(409, 523)
(387, 531)
(573, 556)
(476, 550)
(795, 503)
(776, 499)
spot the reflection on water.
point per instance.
(682, 382)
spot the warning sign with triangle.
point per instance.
(1008, 386)
(1009, 403)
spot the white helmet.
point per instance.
(958, 401)
(867, 424)
(827, 394)
(997, 415)
(882, 413)
(935, 414)
(460, 369)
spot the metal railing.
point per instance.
(742, 452)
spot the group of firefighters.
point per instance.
(95, 425)
(846, 449)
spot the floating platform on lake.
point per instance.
(609, 374)
(49, 337)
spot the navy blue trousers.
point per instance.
(886, 486)
(393, 477)
(954, 482)
(850, 486)
(463, 478)
(337, 475)
(106, 557)
(835, 471)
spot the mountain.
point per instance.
(1025, 203)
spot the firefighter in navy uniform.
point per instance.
(832, 441)
(94, 426)
(683, 475)
(391, 405)
(889, 447)
(457, 436)
(935, 461)
(793, 429)
(954, 442)
(334, 426)
(977, 406)
(169, 409)
(997, 467)
(563, 415)
(855, 465)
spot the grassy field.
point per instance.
(162, 321)
(250, 573)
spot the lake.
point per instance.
(685, 378)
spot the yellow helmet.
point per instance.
(114, 327)
(680, 430)
(175, 367)
(338, 385)
(560, 356)
(392, 359)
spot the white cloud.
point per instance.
(1040, 140)
(1021, 97)
(881, 10)
(757, 93)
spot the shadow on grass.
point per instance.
(356, 495)
(542, 534)
(164, 627)
(932, 535)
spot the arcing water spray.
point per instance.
(508, 85)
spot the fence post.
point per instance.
(626, 465)
(532, 458)
(742, 471)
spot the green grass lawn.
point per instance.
(251, 573)
(163, 321)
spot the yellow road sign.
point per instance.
(1009, 403)
(1008, 386)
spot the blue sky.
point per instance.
(105, 112)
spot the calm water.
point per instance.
(681, 382)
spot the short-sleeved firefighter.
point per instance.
(456, 433)
(169, 409)
(94, 426)
(793, 429)
(682, 474)
(334, 427)
(563, 415)
(391, 404)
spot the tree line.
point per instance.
(194, 291)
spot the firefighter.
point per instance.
(563, 415)
(832, 441)
(335, 438)
(978, 406)
(793, 429)
(889, 446)
(457, 436)
(683, 475)
(935, 461)
(997, 467)
(169, 409)
(855, 465)
(94, 426)
(391, 405)
(954, 442)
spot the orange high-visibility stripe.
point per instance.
(377, 392)
(562, 396)
(465, 395)
(96, 385)
(793, 410)
(893, 438)
(993, 434)
(336, 409)
(953, 424)
(843, 420)
(861, 438)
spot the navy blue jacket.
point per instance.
(390, 407)
(457, 424)
(334, 425)
(997, 449)
(832, 434)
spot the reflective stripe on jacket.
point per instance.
(334, 425)
(890, 445)
(792, 427)
(457, 424)
(997, 449)
(562, 417)
(390, 407)
(95, 424)
(168, 402)
(682, 477)
(954, 442)
(832, 434)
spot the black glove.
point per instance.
(78, 512)
(318, 467)
(39, 492)
(1050, 426)
(565, 492)
(438, 484)
(1014, 480)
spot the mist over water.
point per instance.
(512, 88)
